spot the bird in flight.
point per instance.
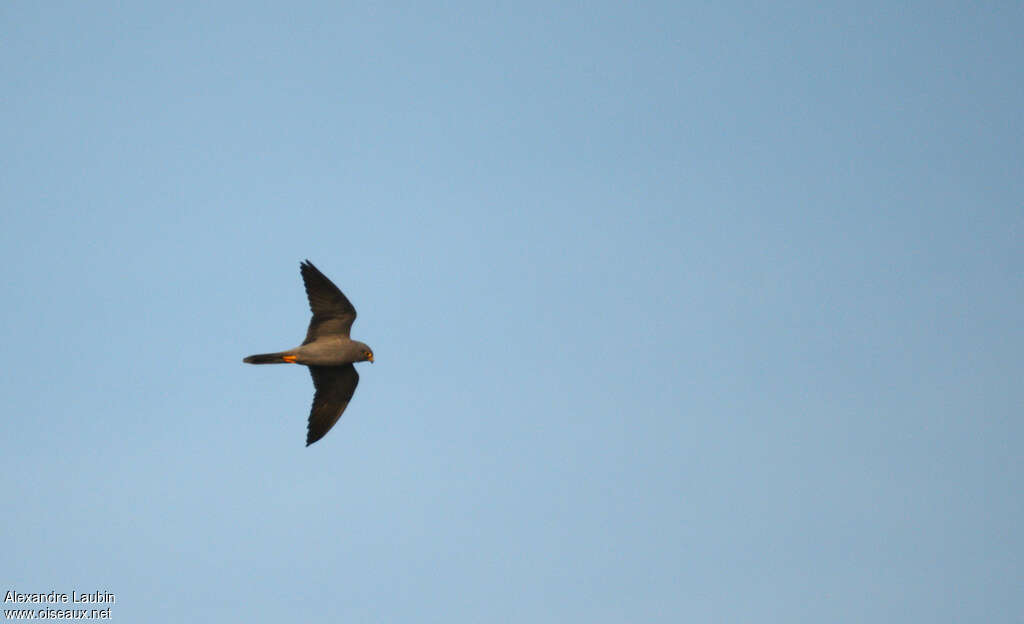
(327, 351)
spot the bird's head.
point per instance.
(365, 353)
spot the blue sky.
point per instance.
(681, 312)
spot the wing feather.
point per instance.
(335, 386)
(333, 314)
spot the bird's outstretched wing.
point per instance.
(335, 386)
(332, 312)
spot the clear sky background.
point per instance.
(682, 312)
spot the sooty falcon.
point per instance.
(327, 351)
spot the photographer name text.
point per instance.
(95, 597)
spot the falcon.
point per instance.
(328, 352)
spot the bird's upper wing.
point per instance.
(335, 386)
(332, 312)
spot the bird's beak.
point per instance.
(371, 359)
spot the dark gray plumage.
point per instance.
(327, 351)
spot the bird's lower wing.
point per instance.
(335, 386)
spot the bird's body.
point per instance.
(324, 351)
(327, 351)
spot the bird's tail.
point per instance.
(266, 358)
